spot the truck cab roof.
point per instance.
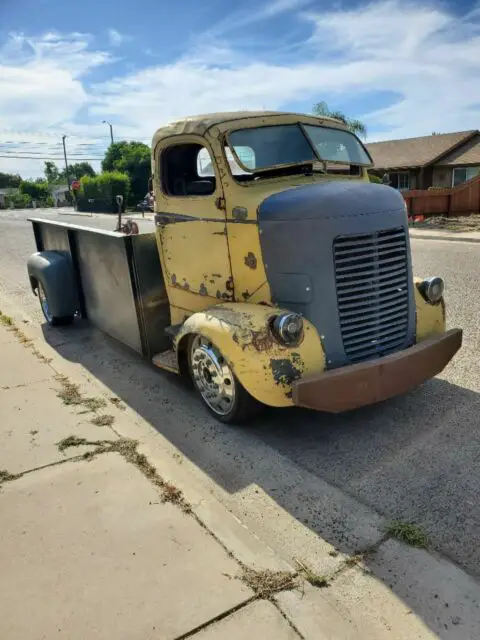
(200, 124)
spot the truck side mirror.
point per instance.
(119, 199)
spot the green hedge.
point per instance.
(103, 189)
(374, 178)
(18, 201)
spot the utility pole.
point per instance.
(111, 129)
(66, 165)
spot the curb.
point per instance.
(448, 238)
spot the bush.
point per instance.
(374, 178)
(38, 191)
(103, 189)
(48, 202)
(18, 201)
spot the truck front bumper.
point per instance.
(368, 382)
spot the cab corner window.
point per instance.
(187, 170)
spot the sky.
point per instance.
(405, 68)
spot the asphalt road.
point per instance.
(415, 458)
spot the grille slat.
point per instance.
(367, 299)
(371, 273)
(371, 263)
(372, 316)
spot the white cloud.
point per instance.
(116, 38)
(422, 54)
(41, 89)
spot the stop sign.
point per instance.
(76, 185)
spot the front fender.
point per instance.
(430, 317)
(263, 366)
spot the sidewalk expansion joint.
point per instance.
(221, 616)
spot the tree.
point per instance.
(9, 181)
(132, 158)
(75, 171)
(79, 170)
(51, 172)
(355, 126)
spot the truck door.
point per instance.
(191, 226)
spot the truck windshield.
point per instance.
(261, 148)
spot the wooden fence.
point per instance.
(458, 201)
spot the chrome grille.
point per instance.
(371, 274)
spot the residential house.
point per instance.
(438, 160)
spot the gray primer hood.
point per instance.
(297, 232)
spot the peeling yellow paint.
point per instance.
(430, 317)
(242, 333)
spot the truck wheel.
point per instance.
(54, 321)
(217, 385)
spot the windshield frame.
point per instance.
(300, 125)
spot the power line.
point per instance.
(45, 158)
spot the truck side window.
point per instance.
(187, 170)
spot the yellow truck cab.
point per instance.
(288, 274)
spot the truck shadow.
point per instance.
(414, 458)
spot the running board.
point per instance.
(166, 360)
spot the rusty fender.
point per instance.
(263, 366)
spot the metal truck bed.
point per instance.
(120, 282)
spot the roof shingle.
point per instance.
(415, 152)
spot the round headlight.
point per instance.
(432, 289)
(288, 327)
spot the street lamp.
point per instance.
(111, 129)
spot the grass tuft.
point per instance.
(266, 583)
(103, 420)
(315, 579)
(6, 476)
(407, 532)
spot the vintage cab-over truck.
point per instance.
(282, 276)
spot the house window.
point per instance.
(187, 170)
(462, 174)
(400, 180)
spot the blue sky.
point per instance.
(405, 68)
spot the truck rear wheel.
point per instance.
(52, 320)
(220, 390)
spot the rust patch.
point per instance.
(219, 294)
(219, 233)
(203, 291)
(246, 294)
(262, 340)
(186, 286)
(173, 279)
(216, 275)
(229, 284)
(251, 260)
(284, 371)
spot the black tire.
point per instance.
(53, 321)
(243, 407)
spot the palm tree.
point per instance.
(355, 126)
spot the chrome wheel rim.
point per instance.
(212, 376)
(44, 303)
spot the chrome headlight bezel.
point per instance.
(287, 328)
(432, 289)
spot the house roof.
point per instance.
(416, 152)
(200, 124)
(467, 153)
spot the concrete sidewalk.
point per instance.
(104, 536)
